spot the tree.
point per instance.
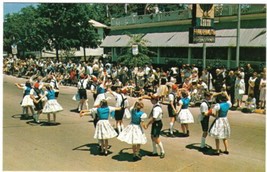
(141, 59)
(86, 33)
(21, 29)
(66, 26)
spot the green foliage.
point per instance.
(141, 59)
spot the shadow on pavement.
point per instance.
(22, 117)
(74, 110)
(166, 133)
(47, 124)
(206, 151)
(127, 155)
(94, 148)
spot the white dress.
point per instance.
(263, 90)
(51, 106)
(220, 129)
(27, 101)
(103, 129)
(133, 133)
(185, 116)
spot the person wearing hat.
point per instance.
(104, 129)
(155, 118)
(133, 134)
(121, 101)
(220, 128)
(172, 107)
(36, 94)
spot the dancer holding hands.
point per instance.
(133, 134)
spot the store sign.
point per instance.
(199, 35)
(135, 49)
(14, 49)
(202, 30)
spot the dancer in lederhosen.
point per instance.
(51, 106)
(184, 117)
(220, 128)
(155, 118)
(206, 111)
(121, 101)
(104, 130)
(172, 107)
(82, 84)
(36, 94)
(133, 134)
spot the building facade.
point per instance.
(167, 34)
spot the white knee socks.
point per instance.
(171, 127)
(203, 140)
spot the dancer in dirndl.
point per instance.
(133, 134)
(27, 102)
(51, 106)
(104, 130)
(220, 129)
(184, 117)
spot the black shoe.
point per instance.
(217, 153)
(106, 153)
(226, 152)
(162, 155)
(153, 154)
(187, 133)
(136, 158)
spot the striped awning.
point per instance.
(255, 37)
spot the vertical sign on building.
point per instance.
(135, 49)
(202, 30)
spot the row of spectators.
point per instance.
(149, 79)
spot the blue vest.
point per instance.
(100, 90)
(103, 113)
(136, 117)
(51, 95)
(27, 91)
(224, 107)
(185, 103)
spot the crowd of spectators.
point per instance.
(150, 79)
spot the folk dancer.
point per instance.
(155, 118)
(104, 130)
(133, 134)
(220, 129)
(184, 117)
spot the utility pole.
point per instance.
(238, 35)
(204, 55)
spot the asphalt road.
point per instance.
(70, 146)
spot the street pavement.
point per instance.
(70, 146)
